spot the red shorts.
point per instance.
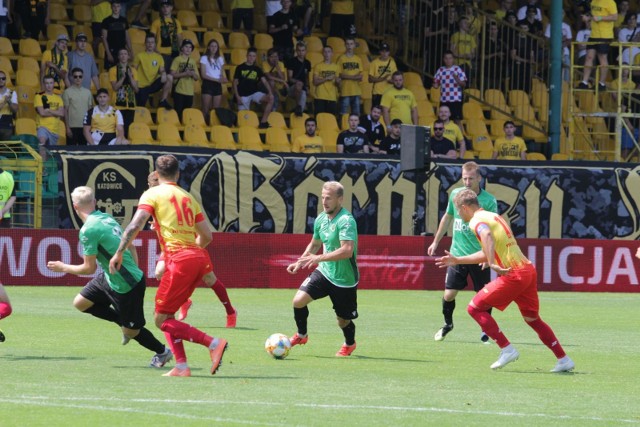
(184, 271)
(519, 286)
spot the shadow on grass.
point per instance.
(361, 357)
(13, 358)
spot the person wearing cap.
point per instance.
(391, 143)
(77, 100)
(103, 124)
(353, 140)
(380, 71)
(185, 73)
(54, 63)
(245, 87)
(124, 82)
(114, 35)
(152, 76)
(168, 32)
(81, 58)
(326, 79)
(399, 102)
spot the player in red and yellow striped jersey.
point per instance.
(516, 282)
(183, 234)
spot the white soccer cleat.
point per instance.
(507, 355)
(442, 332)
(564, 365)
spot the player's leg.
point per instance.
(345, 304)
(220, 290)
(480, 277)
(455, 280)
(5, 308)
(311, 289)
(93, 299)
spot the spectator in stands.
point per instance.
(49, 115)
(152, 75)
(374, 129)
(441, 147)
(524, 10)
(494, 52)
(309, 143)
(213, 77)
(284, 26)
(35, 17)
(343, 20)
(629, 33)
(114, 35)
(567, 37)
(242, 14)
(168, 31)
(604, 14)
(185, 73)
(124, 82)
(103, 124)
(77, 100)
(582, 37)
(463, 47)
(245, 87)
(380, 71)
(5, 17)
(353, 140)
(451, 130)
(326, 79)
(510, 31)
(8, 107)
(523, 59)
(7, 199)
(630, 131)
(505, 7)
(54, 63)
(436, 33)
(140, 13)
(535, 26)
(80, 58)
(451, 79)
(271, 7)
(623, 9)
(306, 14)
(298, 70)
(399, 102)
(351, 72)
(510, 146)
(100, 9)
(276, 74)
(391, 143)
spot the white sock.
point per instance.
(181, 366)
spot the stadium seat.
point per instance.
(195, 136)
(475, 128)
(518, 98)
(326, 122)
(277, 140)
(168, 134)
(140, 134)
(215, 35)
(419, 92)
(238, 56)
(411, 78)
(494, 97)
(261, 41)
(193, 116)
(315, 58)
(560, 156)
(468, 155)
(238, 40)
(248, 118)
(27, 47)
(249, 139)
(189, 21)
(296, 122)
(26, 95)
(314, 44)
(362, 48)
(472, 111)
(164, 116)
(82, 14)
(27, 78)
(208, 6)
(55, 30)
(222, 138)
(536, 156)
(212, 21)
(6, 66)
(143, 115)
(329, 139)
(276, 120)
(472, 95)
(497, 128)
(28, 63)
(25, 125)
(337, 44)
(58, 15)
(181, 5)
(6, 48)
(434, 96)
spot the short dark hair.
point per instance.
(76, 70)
(508, 122)
(309, 119)
(252, 49)
(102, 90)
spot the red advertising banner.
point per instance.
(258, 260)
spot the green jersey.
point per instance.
(100, 236)
(342, 273)
(464, 241)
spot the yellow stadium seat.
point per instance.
(139, 133)
(143, 115)
(213, 21)
(296, 122)
(27, 78)
(327, 122)
(277, 140)
(337, 44)
(209, 35)
(222, 138)
(238, 40)
(472, 111)
(411, 78)
(6, 48)
(195, 135)
(261, 41)
(497, 128)
(164, 116)
(58, 14)
(314, 44)
(208, 6)
(276, 120)
(193, 116)
(468, 155)
(238, 56)
(482, 143)
(494, 97)
(6, 66)
(82, 13)
(472, 95)
(55, 30)
(560, 156)
(249, 139)
(362, 48)
(315, 58)
(518, 97)
(28, 63)
(484, 155)
(536, 156)
(168, 134)
(475, 128)
(181, 5)
(248, 118)
(25, 125)
(329, 139)
(418, 91)
(27, 47)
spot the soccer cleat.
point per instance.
(2, 337)
(507, 355)
(125, 339)
(484, 338)
(346, 350)
(232, 319)
(177, 372)
(216, 355)
(298, 340)
(184, 310)
(439, 336)
(564, 365)
(161, 359)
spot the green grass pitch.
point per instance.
(59, 367)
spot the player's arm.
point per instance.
(204, 234)
(345, 251)
(137, 223)
(445, 221)
(312, 248)
(88, 266)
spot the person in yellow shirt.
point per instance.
(50, 112)
(124, 82)
(351, 71)
(381, 70)
(185, 72)
(54, 63)
(603, 16)
(452, 131)
(309, 143)
(510, 147)
(168, 31)
(152, 76)
(399, 102)
(463, 46)
(276, 74)
(326, 79)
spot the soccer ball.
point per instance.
(278, 346)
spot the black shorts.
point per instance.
(455, 108)
(345, 300)
(457, 276)
(129, 306)
(602, 46)
(211, 88)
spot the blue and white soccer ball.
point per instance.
(278, 346)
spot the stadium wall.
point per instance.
(255, 260)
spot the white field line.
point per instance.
(47, 401)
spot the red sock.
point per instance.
(221, 292)
(488, 325)
(5, 309)
(185, 331)
(177, 348)
(547, 336)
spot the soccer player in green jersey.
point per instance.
(337, 274)
(463, 242)
(116, 297)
